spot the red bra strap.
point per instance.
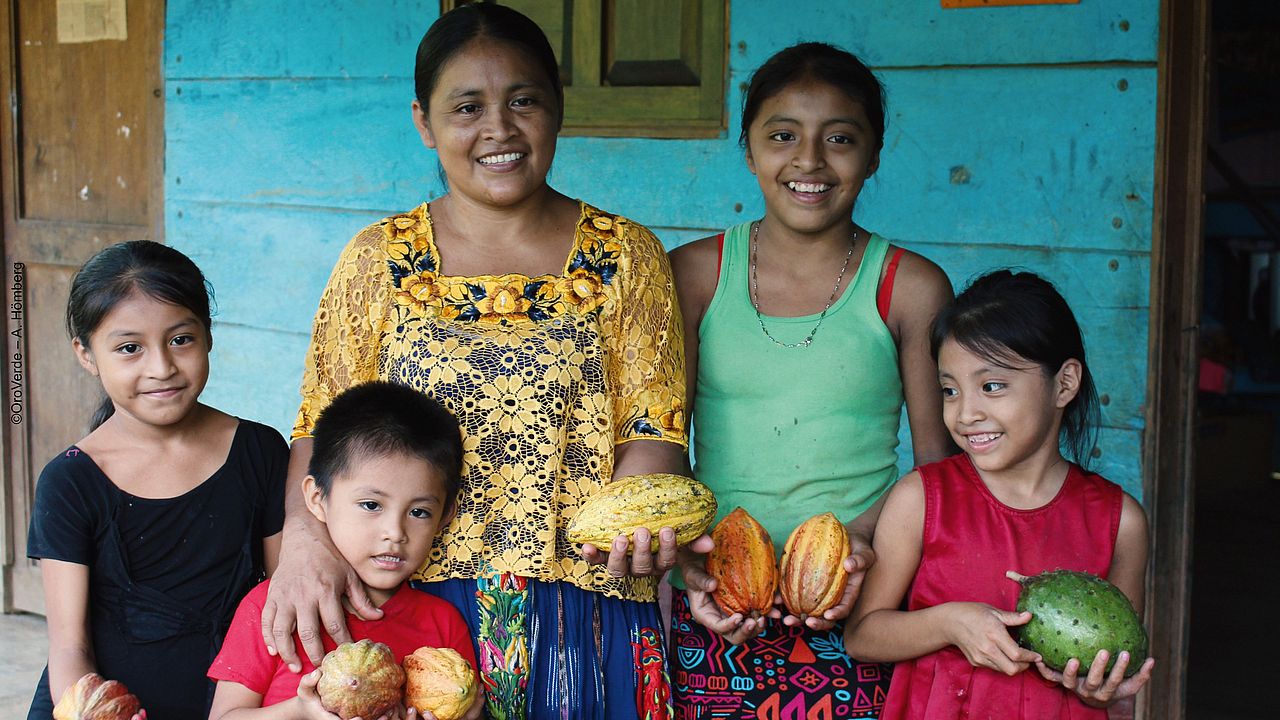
(719, 256)
(885, 294)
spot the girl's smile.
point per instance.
(811, 148)
(1006, 418)
(152, 358)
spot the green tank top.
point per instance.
(788, 433)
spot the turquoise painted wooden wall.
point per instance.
(1016, 136)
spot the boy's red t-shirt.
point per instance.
(410, 620)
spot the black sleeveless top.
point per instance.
(165, 575)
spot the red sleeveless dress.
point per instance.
(970, 540)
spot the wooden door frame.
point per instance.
(13, 446)
(51, 239)
(1176, 255)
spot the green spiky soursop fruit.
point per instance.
(1074, 615)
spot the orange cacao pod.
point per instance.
(813, 575)
(93, 698)
(742, 563)
(439, 680)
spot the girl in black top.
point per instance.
(151, 528)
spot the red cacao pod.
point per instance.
(94, 698)
(813, 575)
(742, 563)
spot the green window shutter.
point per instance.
(638, 68)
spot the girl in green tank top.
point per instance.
(804, 335)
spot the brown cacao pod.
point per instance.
(439, 680)
(360, 679)
(650, 501)
(813, 577)
(742, 563)
(94, 698)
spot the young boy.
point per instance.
(385, 467)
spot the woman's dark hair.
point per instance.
(815, 61)
(454, 29)
(1009, 317)
(376, 419)
(155, 270)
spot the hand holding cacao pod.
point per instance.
(813, 576)
(94, 698)
(652, 501)
(360, 679)
(742, 564)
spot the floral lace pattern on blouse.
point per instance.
(545, 374)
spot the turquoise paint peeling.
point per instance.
(1010, 142)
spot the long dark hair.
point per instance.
(155, 270)
(1007, 316)
(817, 61)
(454, 29)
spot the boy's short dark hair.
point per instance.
(376, 419)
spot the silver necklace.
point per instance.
(755, 291)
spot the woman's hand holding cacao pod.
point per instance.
(635, 524)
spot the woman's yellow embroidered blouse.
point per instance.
(545, 375)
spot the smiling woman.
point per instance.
(550, 328)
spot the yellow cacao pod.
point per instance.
(650, 501)
(813, 574)
(94, 698)
(742, 563)
(439, 680)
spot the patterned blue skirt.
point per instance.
(554, 650)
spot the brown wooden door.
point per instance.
(82, 156)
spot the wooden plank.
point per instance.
(377, 38)
(267, 265)
(324, 38)
(1060, 180)
(910, 34)
(247, 382)
(296, 142)
(587, 62)
(84, 166)
(1169, 454)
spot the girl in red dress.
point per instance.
(1015, 390)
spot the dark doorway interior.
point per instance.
(1237, 500)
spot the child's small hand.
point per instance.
(699, 585)
(982, 634)
(1098, 688)
(308, 699)
(861, 558)
(142, 715)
